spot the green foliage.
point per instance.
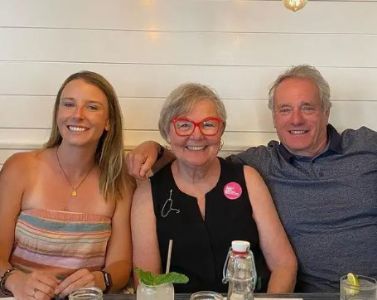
(148, 278)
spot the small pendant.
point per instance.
(74, 193)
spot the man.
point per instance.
(324, 184)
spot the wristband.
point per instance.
(107, 280)
(3, 280)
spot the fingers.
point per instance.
(44, 286)
(79, 279)
(43, 293)
(30, 293)
(146, 168)
(40, 295)
(140, 160)
(81, 283)
(138, 165)
(37, 285)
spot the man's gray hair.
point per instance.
(304, 72)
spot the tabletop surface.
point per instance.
(306, 296)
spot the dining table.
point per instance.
(257, 296)
(303, 296)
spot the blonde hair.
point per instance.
(182, 99)
(114, 181)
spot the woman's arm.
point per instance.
(118, 255)
(146, 159)
(274, 243)
(119, 251)
(14, 178)
(146, 254)
(11, 190)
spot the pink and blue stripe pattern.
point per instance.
(60, 241)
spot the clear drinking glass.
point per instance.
(206, 295)
(90, 293)
(155, 292)
(365, 290)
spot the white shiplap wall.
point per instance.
(147, 47)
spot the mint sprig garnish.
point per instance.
(148, 278)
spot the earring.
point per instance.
(221, 145)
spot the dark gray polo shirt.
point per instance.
(327, 204)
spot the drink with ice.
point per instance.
(358, 287)
(163, 291)
(157, 286)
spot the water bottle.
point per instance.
(239, 270)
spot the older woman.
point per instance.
(64, 209)
(202, 203)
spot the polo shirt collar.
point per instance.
(334, 144)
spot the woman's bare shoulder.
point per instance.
(251, 172)
(22, 162)
(254, 180)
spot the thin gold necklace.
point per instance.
(74, 188)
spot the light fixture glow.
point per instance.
(294, 5)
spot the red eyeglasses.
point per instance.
(208, 126)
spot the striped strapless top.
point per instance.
(60, 241)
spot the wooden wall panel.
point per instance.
(356, 16)
(187, 48)
(140, 80)
(143, 113)
(148, 47)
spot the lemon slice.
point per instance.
(352, 279)
(354, 283)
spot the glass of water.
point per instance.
(163, 291)
(365, 289)
(90, 293)
(206, 295)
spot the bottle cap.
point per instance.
(240, 246)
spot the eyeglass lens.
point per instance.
(206, 127)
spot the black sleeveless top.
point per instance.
(201, 246)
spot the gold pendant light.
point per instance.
(294, 5)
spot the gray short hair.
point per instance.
(182, 99)
(304, 72)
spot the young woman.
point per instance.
(64, 209)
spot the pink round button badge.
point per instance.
(232, 190)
